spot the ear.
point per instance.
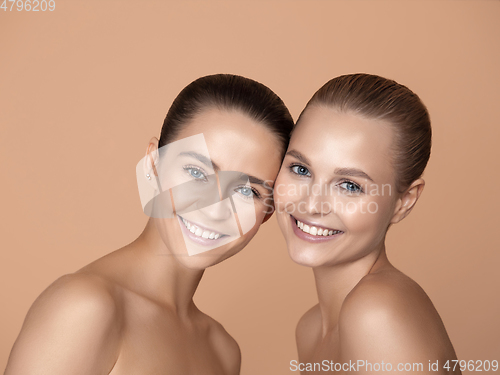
(152, 157)
(407, 201)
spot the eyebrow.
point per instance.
(353, 172)
(258, 181)
(299, 156)
(209, 163)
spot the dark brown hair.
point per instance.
(228, 92)
(380, 98)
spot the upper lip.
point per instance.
(202, 227)
(311, 224)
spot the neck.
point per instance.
(159, 275)
(334, 283)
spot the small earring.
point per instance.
(148, 176)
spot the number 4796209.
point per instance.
(28, 5)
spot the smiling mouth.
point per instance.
(201, 232)
(316, 230)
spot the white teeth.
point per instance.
(315, 231)
(199, 232)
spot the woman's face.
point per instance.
(219, 184)
(335, 194)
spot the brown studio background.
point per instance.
(83, 88)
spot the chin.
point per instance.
(212, 257)
(305, 257)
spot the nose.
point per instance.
(218, 211)
(314, 202)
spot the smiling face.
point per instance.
(217, 171)
(335, 194)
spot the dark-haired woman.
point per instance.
(132, 311)
(352, 169)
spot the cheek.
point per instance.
(195, 195)
(261, 208)
(368, 216)
(286, 191)
(185, 203)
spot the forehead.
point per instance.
(236, 142)
(336, 139)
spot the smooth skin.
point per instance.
(368, 310)
(132, 311)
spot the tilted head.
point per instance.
(220, 149)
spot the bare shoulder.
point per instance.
(386, 293)
(309, 325)
(74, 323)
(225, 345)
(308, 331)
(387, 312)
(309, 319)
(84, 296)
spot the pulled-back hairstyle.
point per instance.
(228, 92)
(380, 98)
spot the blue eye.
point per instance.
(300, 170)
(351, 187)
(245, 191)
(195, 173)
